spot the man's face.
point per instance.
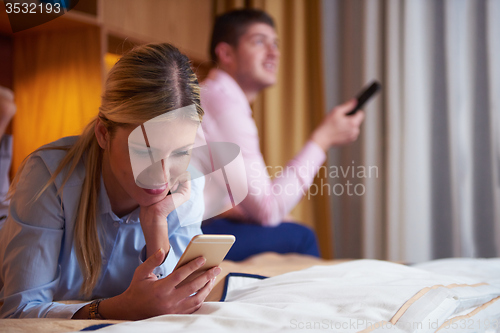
(257, 57)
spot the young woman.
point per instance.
(79, 226)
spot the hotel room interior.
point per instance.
(407, 217)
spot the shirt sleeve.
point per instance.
(268, 202)
(30, 245)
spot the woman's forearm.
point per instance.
(110, 308)
(155, 229)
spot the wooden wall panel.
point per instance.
(186, 24)
(57, 86)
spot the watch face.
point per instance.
(94, 309)
(26, 14)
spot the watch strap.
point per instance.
(94, 309)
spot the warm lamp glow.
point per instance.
(57, 88)
(110, 59)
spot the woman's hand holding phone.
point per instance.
(147, 296)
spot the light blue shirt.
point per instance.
(38, 264)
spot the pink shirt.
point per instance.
(228, 118)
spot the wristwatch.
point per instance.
(94, 309)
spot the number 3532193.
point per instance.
(32, 8)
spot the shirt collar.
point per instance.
(228, 84)
(105, 207)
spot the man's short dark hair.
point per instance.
(230, 26)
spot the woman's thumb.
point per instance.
(147, 267)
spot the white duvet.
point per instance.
(456, 295)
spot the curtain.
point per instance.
(57, 82)
(433, 134)
(287, 113)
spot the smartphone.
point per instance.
(365, 95)
(212, 247)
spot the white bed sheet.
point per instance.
(357, 296)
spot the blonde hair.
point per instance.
(145, 83)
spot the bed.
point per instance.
(274, 293)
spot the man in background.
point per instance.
(244, 46)
(7, 111)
